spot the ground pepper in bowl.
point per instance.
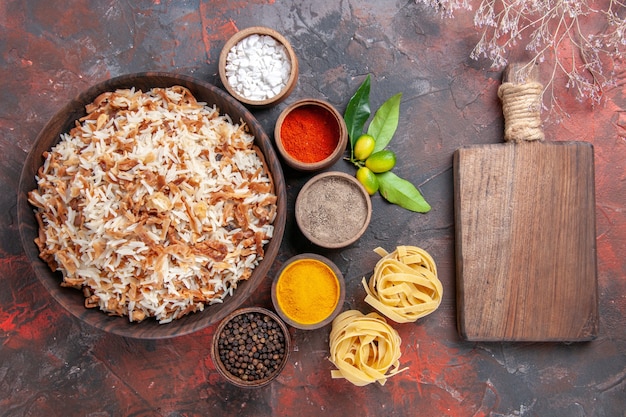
(333, 210)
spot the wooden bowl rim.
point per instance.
(215, 348)
(320, 177)
(340, 300)
(72, 300)
(260, 30)
(331, 159)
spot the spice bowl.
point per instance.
(310, 135)
(258, 66)
(333, 210)
(266, 346)
(308, 291)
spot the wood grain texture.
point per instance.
(525, 242)
(72, 299)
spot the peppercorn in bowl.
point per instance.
(251, 347)
(258, 66)
(310, 135)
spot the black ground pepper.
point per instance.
(251, 346)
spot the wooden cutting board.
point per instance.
(525, 240)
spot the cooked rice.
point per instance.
(154, 204)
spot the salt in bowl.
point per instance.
(258, 66)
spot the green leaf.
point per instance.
(401, 192)
(358, 111)
(385, 122)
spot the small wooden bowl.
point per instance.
(238, 37)
(341, 291)
(341, 131)
(333, 210)
(215, 351)
(74, 300)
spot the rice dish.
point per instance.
(153, 204)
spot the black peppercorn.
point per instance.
(251, 346)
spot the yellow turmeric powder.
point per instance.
(307, 291)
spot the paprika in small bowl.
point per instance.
(310, 135)
(308, 292)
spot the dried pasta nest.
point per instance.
(364, 348)
(404, 286)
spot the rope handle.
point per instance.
(520, 94)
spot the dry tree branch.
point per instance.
(549, 27)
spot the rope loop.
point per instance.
(521, 105)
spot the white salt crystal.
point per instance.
(268, 40)
(273, 79)
(258, 67)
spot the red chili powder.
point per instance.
(309, 133)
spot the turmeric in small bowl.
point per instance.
(307, 291)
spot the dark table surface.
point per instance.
(52, 364)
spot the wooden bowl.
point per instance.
(318, 304)
(333, 210)
(73, 299)
(219, 364)
(332, 118)
(238, 37)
